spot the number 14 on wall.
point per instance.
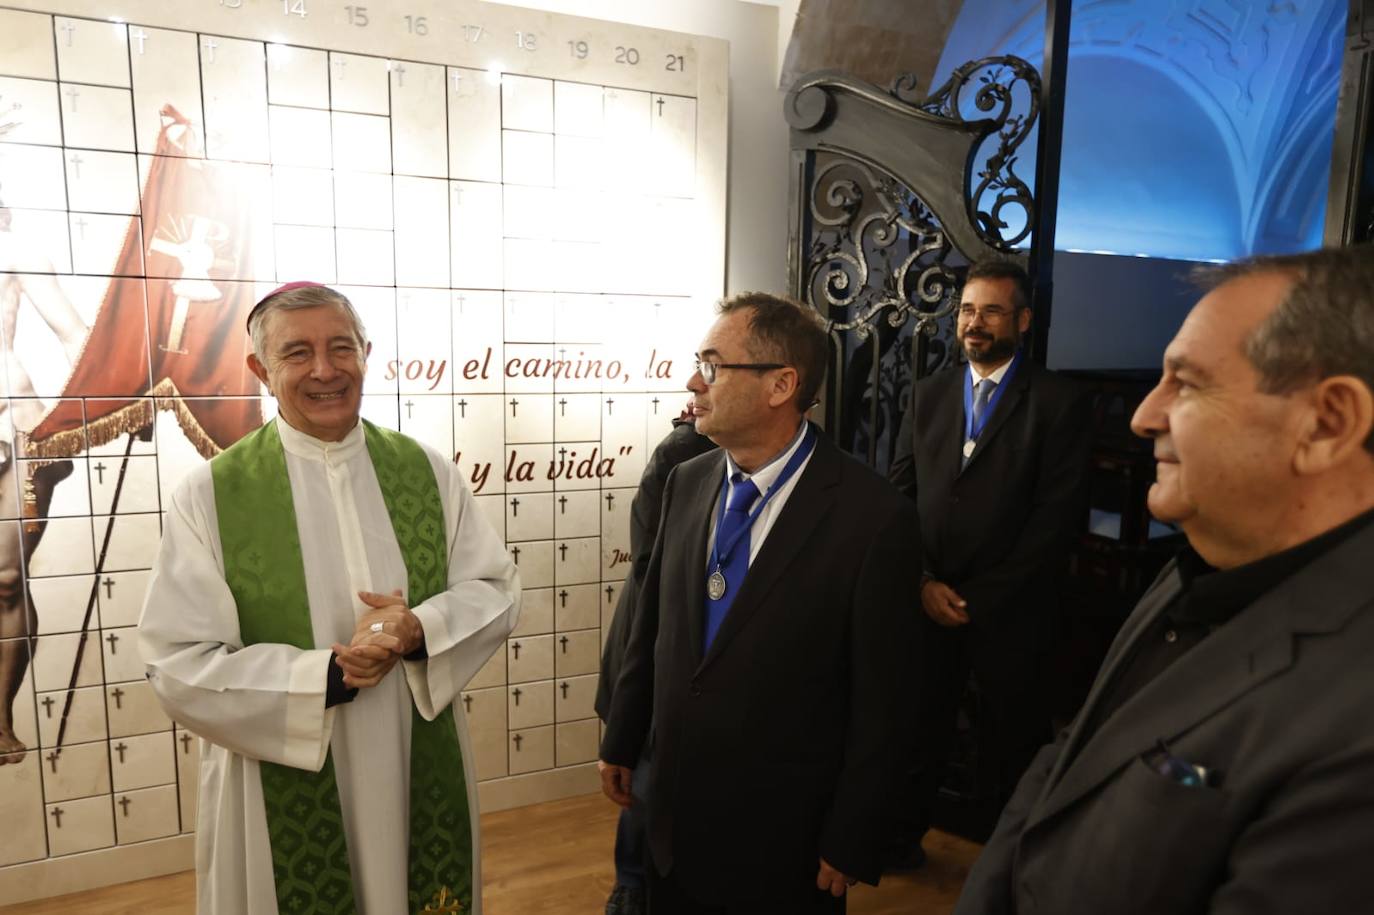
(288, 7)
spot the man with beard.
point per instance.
(995, 456)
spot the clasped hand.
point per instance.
(943, 604)
(372, 653)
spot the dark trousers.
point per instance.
(1013, 719)
(668, 897)
(631, 839)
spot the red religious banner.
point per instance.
(191, 306)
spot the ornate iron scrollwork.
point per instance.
(999, 186)
(856, 264)
(877, 271)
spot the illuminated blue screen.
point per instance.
(1193, 129)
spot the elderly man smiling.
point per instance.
(1224, 759)
(324, 590)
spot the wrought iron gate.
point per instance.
(892, 197)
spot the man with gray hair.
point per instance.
(1224, 759)
(324, 589)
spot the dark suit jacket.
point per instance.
(785, 741)
(682, 443)
(999, 530)
(1281, 700)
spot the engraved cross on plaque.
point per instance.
(462, 409)
(410, 405)
(76, 160)
(124, 803)
(109, 584)
(610, 501)
(69, 28)
(120, 748)
(185, 743)
(81, 224)
(515, 650)
(117, 695)
(564, 687)
(57, 816)
(562, 552)
(515, 507)
(513, 404)
(47, 703)
(73, 93)
(518, 738)
(52, 761)
(562, 505)
(610, 593)
(467, 704)
(515, 554)
(112, 638)
(563, 598)
(517, 693)
(564, 642)
(610, 401)
(562, 406)
(140, 36)
(210, 45)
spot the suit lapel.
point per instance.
(700, 507)
(1192, 689)
(941, 432)
(1006, 406)
(801, 517)
(1254, 646)
(1152, 604)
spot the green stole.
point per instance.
(266, 574)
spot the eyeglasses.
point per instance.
(992, 314)
(711, 370)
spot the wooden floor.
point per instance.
(552, 859)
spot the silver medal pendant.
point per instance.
(715, 585)
(969, 446)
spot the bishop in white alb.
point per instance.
(268, 701)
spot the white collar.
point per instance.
(307, 446)
(995, 377)
(767, 475)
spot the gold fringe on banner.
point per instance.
(169, 398)
(129, 419)
(135, 416)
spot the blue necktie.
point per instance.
(734, 566)
(982, 391)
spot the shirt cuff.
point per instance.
(335, 692)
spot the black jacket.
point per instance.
(785, 742)
(999, 530)
(682, 443)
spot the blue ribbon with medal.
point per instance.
(972, 431)
(716, 584)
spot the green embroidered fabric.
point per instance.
(266, 574)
